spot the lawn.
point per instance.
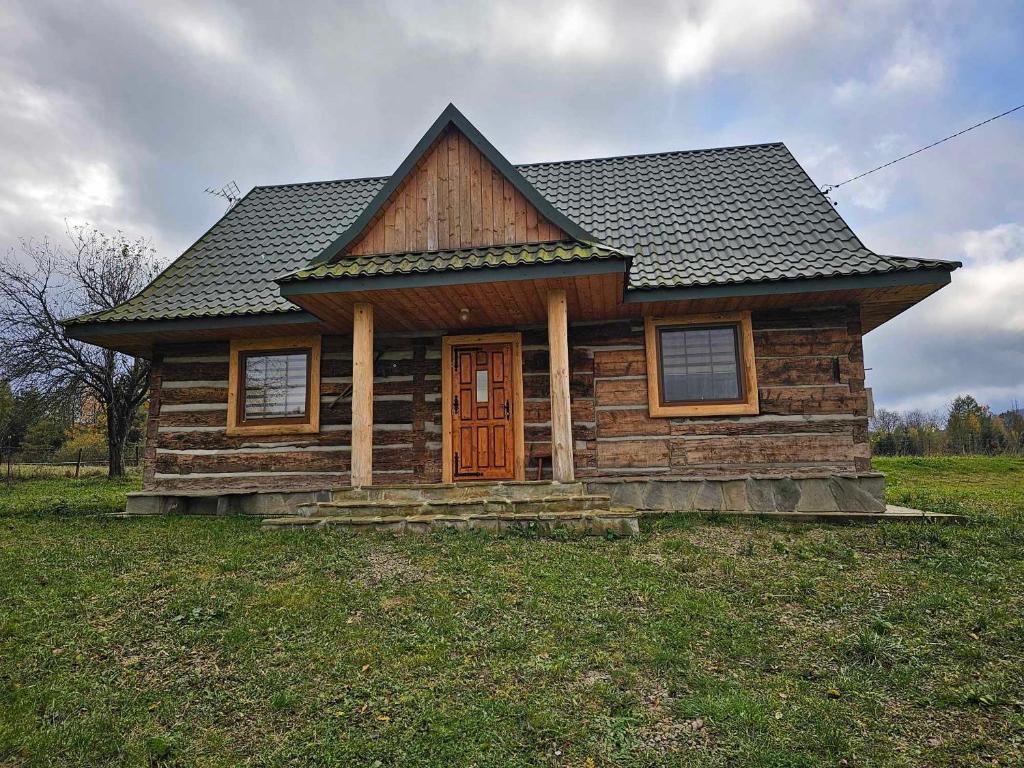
(707, 642)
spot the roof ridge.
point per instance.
(663, 153)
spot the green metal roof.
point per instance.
(715, 217)
(454, 260)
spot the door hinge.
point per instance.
(455, 404)
(456, 462)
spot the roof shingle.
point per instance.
(692, 218)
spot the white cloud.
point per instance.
(989, 291)
(55, 170)
(913, 66)
(967, 338)
(527, 31)
(731, 32)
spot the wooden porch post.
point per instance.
(362, 394)
(561, 416)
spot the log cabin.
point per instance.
(473, 343)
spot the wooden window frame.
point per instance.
(241, 349)
(518, 422)
(746, 405)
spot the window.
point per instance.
(274, 386)
(702, 365)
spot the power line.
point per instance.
(829, 187)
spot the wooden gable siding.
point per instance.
(454, 198)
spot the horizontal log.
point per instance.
(193, 418)
(761, 425)
(812, 400)
(788, 343)
(623, 362)
(620, 392)
(194, 371)
(604, 334)
(384, 412)
(174, 396)
(760, 450)
(295, 461)
(633, 453)
(808, 317)
(217, 440)
(632, 422)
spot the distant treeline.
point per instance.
(967, 427)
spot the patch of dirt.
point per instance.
(665, 733)
(592, 677)
(389, 566)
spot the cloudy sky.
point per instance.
(120, 114)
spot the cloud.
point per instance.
(912, 66)
(989, 295)
(731, 34)
(121, 113)
(526, 30)
(969, 337)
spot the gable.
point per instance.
(454, 197)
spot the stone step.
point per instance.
(548, 505)
(615, 520)
(511, 489)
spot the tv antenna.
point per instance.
(229, 192)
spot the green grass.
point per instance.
(63, 496)
(179, 642)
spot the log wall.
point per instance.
(811, 383)
(813, 406)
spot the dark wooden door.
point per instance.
(483, 443)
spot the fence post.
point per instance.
(78, 463)
(10, 451)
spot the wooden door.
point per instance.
(483, 400)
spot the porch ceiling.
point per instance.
(490, 305)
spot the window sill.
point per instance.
(717, 409)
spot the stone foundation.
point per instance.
(833, 493)
(836, 493)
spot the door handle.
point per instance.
(508, 411)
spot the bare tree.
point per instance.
(43, 284)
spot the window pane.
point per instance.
(481, 385)
(275, 386)
(699, 364)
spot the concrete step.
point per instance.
(510, 489)
(547, 505)
(617, 520)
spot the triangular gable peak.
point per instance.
(454, 190)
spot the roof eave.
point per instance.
(433, 279)
(92, 330)
(938, 276)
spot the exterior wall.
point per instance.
(190, 450)
(810, 423)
